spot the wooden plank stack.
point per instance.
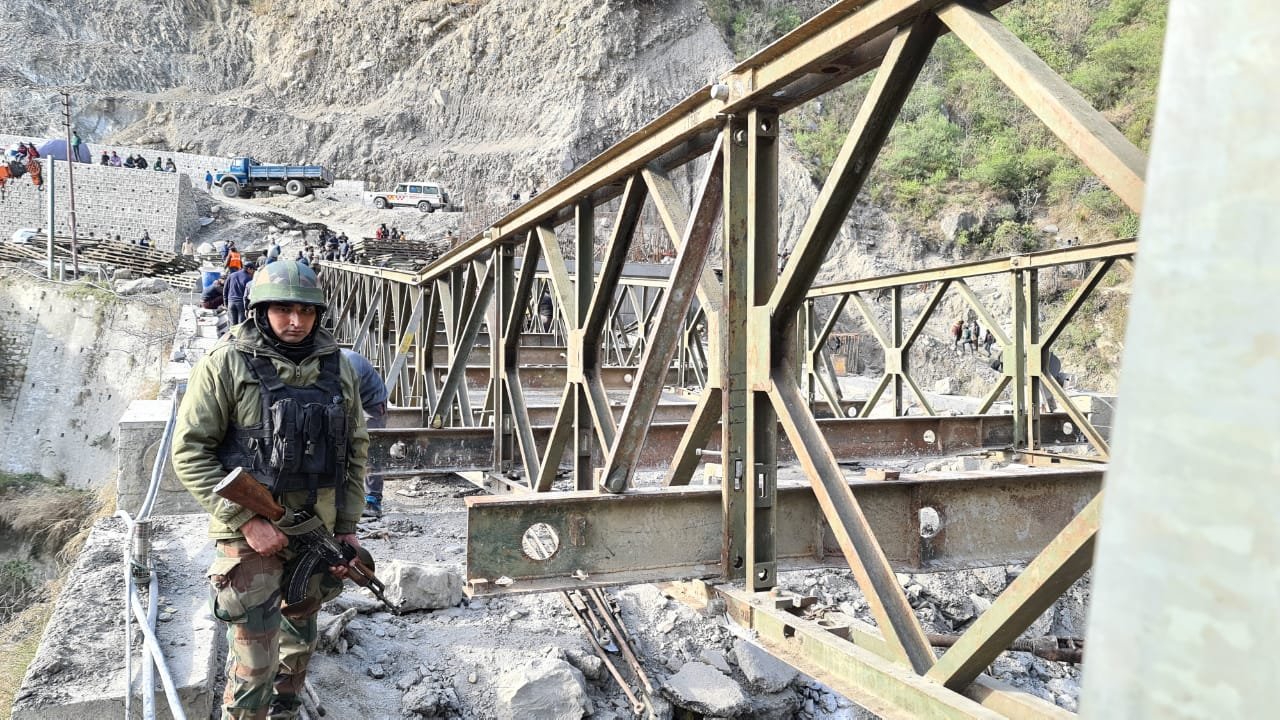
(178, 270)
(401, 254)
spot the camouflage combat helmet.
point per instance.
(286, 281)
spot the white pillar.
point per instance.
(1185, 620)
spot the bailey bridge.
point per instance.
(685, 423)
(718, 366)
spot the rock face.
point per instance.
(417, 586)
(704, 689)
(489, 97)
(547, 688)
(953, 222)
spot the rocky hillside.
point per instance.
(494, 97)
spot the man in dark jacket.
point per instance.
(276, 397)
(235, 291)
(373, 398)
(212, 297)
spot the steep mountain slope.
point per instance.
(497, 97)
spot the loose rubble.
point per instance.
(701, 688)
(544, 688)
(762, 670)
(418, 586)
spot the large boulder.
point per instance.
(705, 690)
(547, 688)
(420, 586)
(763, 670)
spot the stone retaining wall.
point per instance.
(109, 201)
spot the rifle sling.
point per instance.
(302, 528)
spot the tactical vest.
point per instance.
(301, 441)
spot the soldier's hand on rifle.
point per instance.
(265, 538)
(340, 571)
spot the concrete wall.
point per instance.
(141, 427)
(72, 361)
(1186, 573)
(78, 671)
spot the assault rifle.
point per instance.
(319, 549)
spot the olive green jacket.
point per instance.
(222, 390)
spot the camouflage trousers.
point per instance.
(268, 651)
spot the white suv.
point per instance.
(427, 196)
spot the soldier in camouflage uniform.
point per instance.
(276, 397)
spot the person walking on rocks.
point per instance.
(987, 341)
(974, 334)
(965, 339)
(955, 335)
(237, 284)
(373, 399)
(270, 388)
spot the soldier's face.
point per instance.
(291, 322)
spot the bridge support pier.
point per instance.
(1185, 541)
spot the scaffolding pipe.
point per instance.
(133, 610)
(162, 458)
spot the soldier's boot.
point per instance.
(285, 707)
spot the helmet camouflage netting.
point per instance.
(286, 281)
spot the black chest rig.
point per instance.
(301, 442)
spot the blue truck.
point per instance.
(247, 175)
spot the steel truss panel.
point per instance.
(982, 520)
(458, 449)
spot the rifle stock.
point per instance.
(243, 489)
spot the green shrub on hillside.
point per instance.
(963, 136)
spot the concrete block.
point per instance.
(762, 670)
(78, 671)
(1099, 408)
(140, 431)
